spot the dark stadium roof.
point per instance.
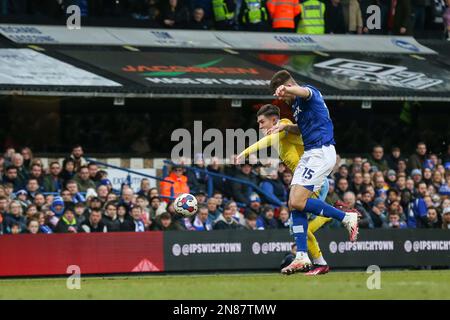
(150, 72)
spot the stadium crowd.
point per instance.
(301, 16)
(389, 190)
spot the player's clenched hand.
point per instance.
(281, 90)
(284, 92)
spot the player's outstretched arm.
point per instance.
(265, 142)
(288, 91)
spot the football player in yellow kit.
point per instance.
(290, 150)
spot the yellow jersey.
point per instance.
(290, 146)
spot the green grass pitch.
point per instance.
(335, 285)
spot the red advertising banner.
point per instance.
(93, 253)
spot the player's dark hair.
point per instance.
(268, 110)
(278, 79)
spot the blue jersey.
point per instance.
(313, 120)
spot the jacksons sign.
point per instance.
(190, 69)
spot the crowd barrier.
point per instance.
(32, 255)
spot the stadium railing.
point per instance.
(210, 184)
(129, 172)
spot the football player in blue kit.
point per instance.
(316, 128)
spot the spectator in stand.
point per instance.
(83, 179)
(434, 220)
(283, 14)
(283, 218)
(44, 224)
(93, 172)
(52, 182)
(27, 156)
(395, 222)
(377, 158)
(144, 187)
(137, 221)
(72, 187)
(39, 201)
(416, 175)
(180, 183)
(391, 178)
(201, 221)
(381, 187)
(250, 222)
(32, 226)
(334, 17)
(68, 172)
(237, 214)
(197, 179)
(417, 215)
(164, 222)
(342, 173)
(106, 182)
(94, 223)
(286, 180)
(220, 200)
(155, 207)
(68, 223)
(392, 195)
(32, 188)
(226, 221)
(240, 192)
(332, 196)
(357, 183)
(400, 17)
(417, 160)
(126, 223)
(22, 172)
(12, 177)
(312, 17)
(175, 15)
(378, 213)
(393, 158)
(224, 14)
(253, 15)
(215, 167)
(102, 193)
(427, 174)
(37, 173)
(444, 189)
(342, 187)
(355, 22)
(77, 157)
(418, 15)
(267, 219)
(213, 210)
(255, 205)
(365, 221)
(110, 217)
(14, 217)
(273, 186)
(200, 195)
(446, 218)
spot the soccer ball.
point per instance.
(186, 205)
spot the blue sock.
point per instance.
(300, 229)
(320, 208)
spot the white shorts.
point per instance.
(314, 166)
